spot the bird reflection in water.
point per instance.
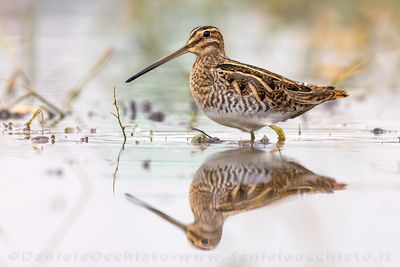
(235, 181)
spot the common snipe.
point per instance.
(242, 96)
(236, 181)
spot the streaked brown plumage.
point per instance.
(242, 96)
(236, 181)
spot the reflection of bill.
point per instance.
(239, 180)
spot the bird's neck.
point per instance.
(211, 59)
(203, 72)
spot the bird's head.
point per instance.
(205, 40)
(202, 40)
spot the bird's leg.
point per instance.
(278, 148)
(252, 138)
(279, 132)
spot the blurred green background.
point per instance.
(315, 40)
(351, 44)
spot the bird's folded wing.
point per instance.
(268, 86)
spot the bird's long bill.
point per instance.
(166, 217)
(161, 61)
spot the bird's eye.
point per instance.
(206, 34)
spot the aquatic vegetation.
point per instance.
(118, 117)
(204, 138)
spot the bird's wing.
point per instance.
(287, 178)
(271, 87)
(243, 197)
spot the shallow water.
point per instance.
(59, 206)
(64, 204)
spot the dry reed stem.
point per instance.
(92, 72)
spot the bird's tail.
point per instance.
(340, 93)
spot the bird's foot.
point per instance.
(279, 131)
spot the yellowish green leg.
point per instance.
(279, 131)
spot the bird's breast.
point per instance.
(222, 103)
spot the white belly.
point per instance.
(245, 122)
